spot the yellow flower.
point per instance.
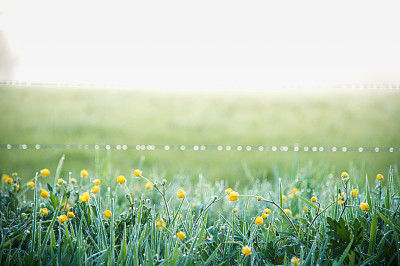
(44, 211)
(364, 206)
(9, 180)
(295, 190)
(297, 215)
(292, 195)
(233, 196)
(107, 214)
(137, 172)
(149, 185)
(181, 194)
(62, 218)
(31, 184)
(121, 179)
(295, 261)
(339, 199)
(345, 175)
(379, 177)
(283, 198)
(258, 198)
(181, 235)
(160, 223)
(95, 189)
(84, 173)
(44, 194)
(287, 211)
(258, 221)
(5, 177)
(264, 215)
(314, 199)
(45, 172)
(70, 215)
(85, 197)
(60, 180)
(267, 210)
(228, 191)
(246, 250)
(354, 192)
(304, 209)
(15, 174)
(235, 210)
(96, 182)
(66, 207)
(73, 180)
(194, 205)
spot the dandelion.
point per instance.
(295, 261)
(246, 250)
(5, 177)
(149, 185)
(233, 196)
(379, 177)
(73, 180)
(287, 211)
(107, 214)
(267, 210)
(258, 221)
(228, 191)
(283, 198)
(264, 215)
(9, 180)
(45, 172)
(96, 182)
(121, 179)
(364, 206)
(84, 173)
(137, 172)
(60, 180)
(181, 194)
(160, 223)
(181, 235)
(31, 184)
(62, 218)
(354, 193)
(314, 199)
(95, 189)
(70, 215)
(44, 211)
(345, 175)
(44, 194)
(85, 197)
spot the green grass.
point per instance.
(325, 233)
(73, 116)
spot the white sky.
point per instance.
(204, 44)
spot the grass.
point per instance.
(153, 226)
(73, 116)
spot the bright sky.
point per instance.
(204, 44)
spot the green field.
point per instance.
(308, 118)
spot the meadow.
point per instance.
(185, 207)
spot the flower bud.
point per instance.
(163, 182)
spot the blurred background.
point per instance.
(220, 73)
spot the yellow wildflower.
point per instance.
(246, 250)
(181, 235)
(95, 189)
(258, 221)
(364, 206)
(45, 172)
(44, 194)
(235, 210)
(62, 218)
(44, 211)
(283, 198)
(9, 180)
(5, 177)
(96, 182)
(84, 173)
(292, 195)
(66, 206)
(18, 187)
(60, 180)
(304, 209)
(137, 172)
(297, 215)
(121, 179)
(31, 184)
(259, 198)
(85, 197)
(295, 261)
(73, 180)
(314, 199)
(295, 190)
(287, 211)
(345, 175)
(267, 210)
(107, 214)
(194, 205)
(160, 223)
(354, 192)
(264, 215)
(70, 215)
(233, 196)
(228, 191)
(181, 194)
(379, 177)
(340, 199)
(149, 185)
